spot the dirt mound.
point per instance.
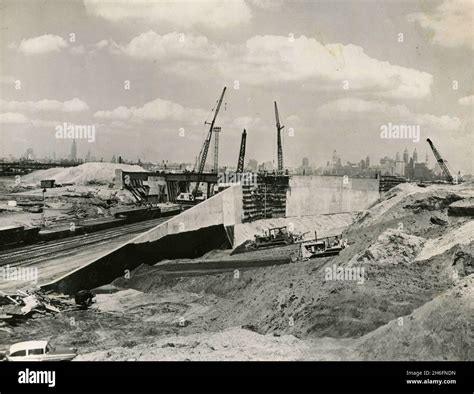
(407, 199)
(84, 174)
(402, 270)
(392, 246)
(464, 207)
(462, 235)
(234, 344)
(434, 202)
(442, 329)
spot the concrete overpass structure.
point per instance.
(161, 186)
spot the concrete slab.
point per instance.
(189, 234)
(314, 195)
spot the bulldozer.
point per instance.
(276, 236)
(273, 237)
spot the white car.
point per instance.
(185, 197)
(189, 198)
(39, 351)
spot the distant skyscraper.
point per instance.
(397, 156)
(406, 157)
(399, 168)
(73, 151)
(415, 156)
(427, 159)
(367, 162)
(305, 162)
(252, 165)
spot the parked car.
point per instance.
(189, 198)
(39, 351)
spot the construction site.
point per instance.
(126, 264)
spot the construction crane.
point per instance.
(442, 163)
(279, 147)
(205, 147)
(240, 162)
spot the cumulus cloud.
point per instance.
(43, 44)
(74, 105)
(450, 24)
(264, 60)
(273, 59)
(170, 47)
(156, 110)
(246, 122)
(467, 101)
(211, 13)
(353, 107)
(101, 44)
(45, 123)
(12, 118)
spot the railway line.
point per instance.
(37, 253)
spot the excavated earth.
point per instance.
(412, 301)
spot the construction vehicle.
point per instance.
(277, 236)
(443, 164)
(273, 237)
(279, 128)
(323, 247)
(201, 162)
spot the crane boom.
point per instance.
(207, 142)
(240, 163)
(279, 146)
(441, 162)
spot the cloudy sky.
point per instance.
(146, 74)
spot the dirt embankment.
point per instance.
(409, 299)
(407, 261)
(437, 330)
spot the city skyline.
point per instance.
(140, 85)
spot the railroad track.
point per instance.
(34, 254)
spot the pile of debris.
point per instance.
(25, 304)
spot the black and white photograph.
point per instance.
(205, 181)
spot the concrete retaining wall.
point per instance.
(314, 195)
(192, 233)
